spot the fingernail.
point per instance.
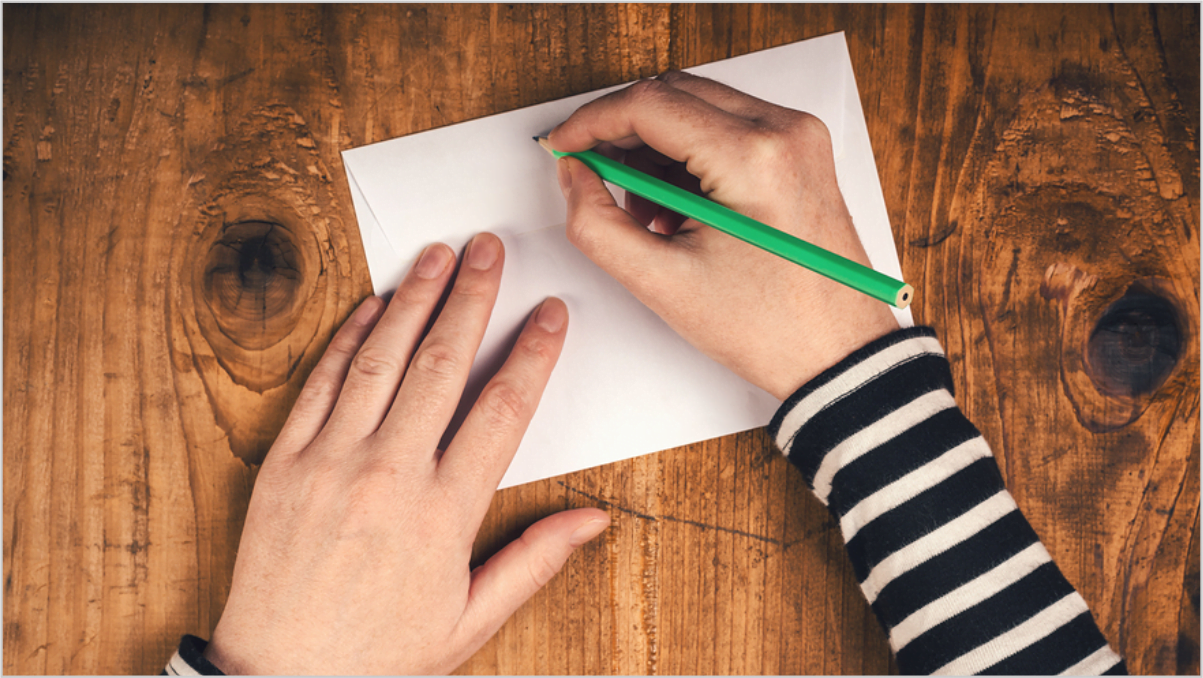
(432, 262)
(588, 531)
(551, 316)
(564, 174)
(482, 253)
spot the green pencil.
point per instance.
(858, 277)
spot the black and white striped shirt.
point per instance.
(952, 569)
(954, 572)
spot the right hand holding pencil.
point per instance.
(770, 321)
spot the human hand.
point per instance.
(772, 322)
(354, 557)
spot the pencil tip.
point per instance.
(535, 139)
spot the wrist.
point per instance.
(827, 351)
(218, 653)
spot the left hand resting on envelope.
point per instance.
(770, 321)
(354, 557)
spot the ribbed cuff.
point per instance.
(189, 659)
(857, 392)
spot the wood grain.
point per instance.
(179, 246)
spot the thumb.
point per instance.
(608, 234)
(525, 565)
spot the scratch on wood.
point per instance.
(669, 519)
(235, 77)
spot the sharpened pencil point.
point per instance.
(545, 144)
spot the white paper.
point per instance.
(625, 384)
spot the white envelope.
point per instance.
(626, 384)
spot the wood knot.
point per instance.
(1135, 344)
(252, 281)
(1120, 345)
(257, 285)
(263, 274)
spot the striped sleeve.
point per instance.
(953, 571)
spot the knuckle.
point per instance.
(647, 90)
(807, 129)
(577, 230)
(542, 566)
(320, 477)
(474, 287)
(504, 403)
(320, 389)
(342, 345)
(787, 144)
(409, 296)
(588, 229)
(537, 348)
(379, 475)
(581, 233)
(377, 485)
(374, 361)
(767, 147)
(673, 77)
(438, 360)
(542, 570)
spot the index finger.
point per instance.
(680, 125)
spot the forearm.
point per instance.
(950, 566)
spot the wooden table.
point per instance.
(179, 246)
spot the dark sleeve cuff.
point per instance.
(856, 393)
(189, 659)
